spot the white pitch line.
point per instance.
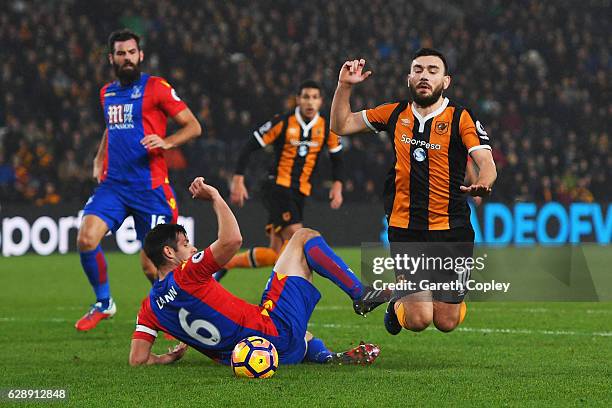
(527, 331)
(333, 308)
(539, 310)
(483, 330)
(597, 311)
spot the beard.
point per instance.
(127, 75)
(425, 101)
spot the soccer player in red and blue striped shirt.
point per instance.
(189, 304)
(130, 165)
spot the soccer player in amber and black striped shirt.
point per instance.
(425, 201)
(298, 139)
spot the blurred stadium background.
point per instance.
(537, 73)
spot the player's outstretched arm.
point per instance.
(140, 353)
(343, 121)
(229, 238)
(486, 174)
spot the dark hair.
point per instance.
(159, 237)
(424, 52)
(309, 83)
(123, 34)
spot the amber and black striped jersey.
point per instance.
(422, 187)
(297, 146)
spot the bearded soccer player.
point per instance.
(424, 199)
(188, 303)
(130, 165)
(298, 139)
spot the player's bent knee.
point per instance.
(446, 323)
(416, 324)
(304, 234)
(413, 321)
(86, 242)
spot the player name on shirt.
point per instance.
(166, 298)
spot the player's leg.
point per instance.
(91, 232)
(285, 208)
(413, 312)
(103, 211)
(287, 232)
(292, 261)
(411, 309)
(291, 297)
(306, 251)
(257, 257)
(317, 352)
(449, 308)
(447, 316)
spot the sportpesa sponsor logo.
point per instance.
(308, 143)
(420, 143)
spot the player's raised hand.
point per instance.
(352, 72)
(199, 189)
(476, 190)
(153, 142)
(238, 191)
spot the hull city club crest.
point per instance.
(441, 127)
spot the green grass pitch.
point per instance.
(510, 354)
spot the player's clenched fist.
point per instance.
(201, 190)
(352, 72)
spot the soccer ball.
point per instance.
(254, 357)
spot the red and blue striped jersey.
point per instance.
(193, 307)
(131, 113)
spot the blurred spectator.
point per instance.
(7, 178)
(536, 73)
(49, 197)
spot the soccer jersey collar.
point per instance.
(423, 120)
(305, 127)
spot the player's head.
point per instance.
(309, 98)
(167, 244)
(125, 55)
(428, 77)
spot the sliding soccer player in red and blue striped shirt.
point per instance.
(130, 165)
(188, 303)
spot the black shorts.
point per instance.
(454, 243)
(285, 206)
